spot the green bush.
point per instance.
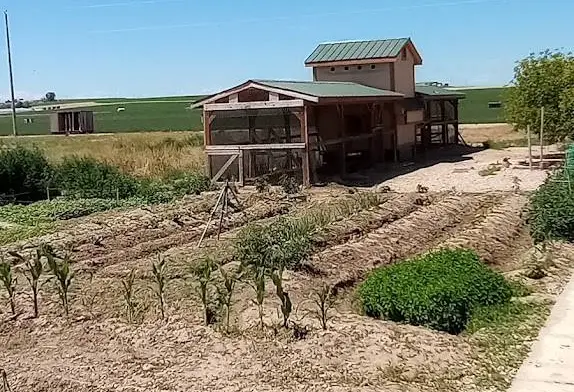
(439, 290)
(285, 243)
(24, 174)
(551, 214)
(83, 177)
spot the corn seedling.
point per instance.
(160, 280)
(9, 283)
(258, 284)
(324, 300)
(225, 292)
(33, 272)
(286, 305)
(128, 294)
(203, 272)
(61, 270)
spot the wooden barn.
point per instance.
(360, 109)
(72, 122)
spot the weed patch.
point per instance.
(439, 290)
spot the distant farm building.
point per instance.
(72, 122)
(362, 108)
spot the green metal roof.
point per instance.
(358, 50)
(329, 89)
(435, 91)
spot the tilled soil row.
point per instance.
(415, 233)
(142, 249)
(496, 233)
(81, 234)
(364, 222)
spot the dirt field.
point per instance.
(479, 133)
(97, 350)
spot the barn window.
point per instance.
(373, 66)
(359, 67)
(332, 69)
(346, 68)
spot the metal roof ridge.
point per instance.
(363, 40)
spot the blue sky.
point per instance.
(138, 48)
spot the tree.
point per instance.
(50, 96)
(544, 80)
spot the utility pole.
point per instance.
(14, 130)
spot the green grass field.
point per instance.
(172, 113)
(474, 108)
(156, 114)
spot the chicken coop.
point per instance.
(72, 122)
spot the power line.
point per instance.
(289, 18)
(128, 3)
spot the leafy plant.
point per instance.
(33, 272)
(60, 268)
(9, 283)
(289, 184)
(160, 280)
(286, 305)
(203, 272)
(551, 212)
(438, 290)
(324, 301)
(285, 243)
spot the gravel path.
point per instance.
(464, 174)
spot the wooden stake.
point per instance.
(529, 146)
(542, 137)
(211, 217)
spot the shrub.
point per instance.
(551, 214)
(24, 174)
(83, 177)
(438, 290)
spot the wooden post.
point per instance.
(444, 126)
(305, 134)
(342, 134)
(287, 126)
(372, 110)
(240, 168)
(250, 157)
(207, 120)
(542, 137)
(529, 146)
(456, 129)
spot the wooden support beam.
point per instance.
(240, 172)
(291, 103)
(250, 147)
(305, 134)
